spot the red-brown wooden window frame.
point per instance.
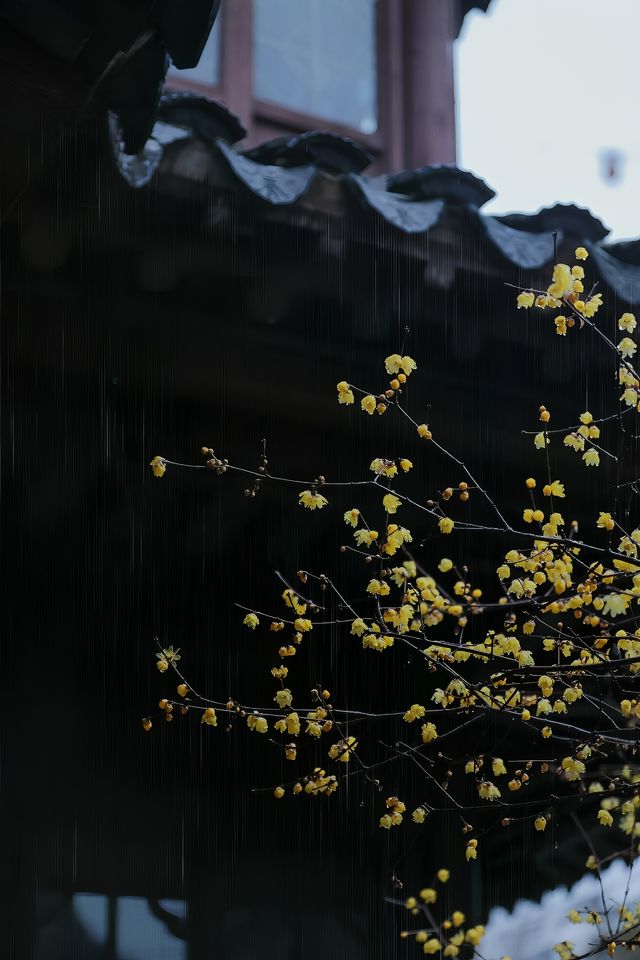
(236, 85)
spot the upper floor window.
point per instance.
(379, 71)
(318, 57)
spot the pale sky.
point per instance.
(547, 91)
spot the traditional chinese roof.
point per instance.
(321, 173)
(467, 5)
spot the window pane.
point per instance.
(208, 68)
(319, 57)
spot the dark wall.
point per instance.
(134, 325)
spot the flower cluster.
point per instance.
(446, 937)
(549, 652)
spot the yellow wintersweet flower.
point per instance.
(627, 322)
(615, 604)
(593, 305)
(283, 698)
(575, 441)
(312, 501)
(503, 572)
(418, 815)
(343, 749)
(591, 457)
(257, 724)
(368, 404)
(424, 432)
(391, 503)
(408, 365)
(378, 588)
(471, 853)
(564, 950)
(415, 712)
(446, 525)
(488, 791)
(540, 441)
(352, 516)
(571, 694)
(628, 546)
(550, 529)
(573, 768)
(443, 876)
(445, 565)
(604, 818)
(525, 300)
(386, 467)
(292, 601)
(562, 281)
(159, 466)
(209, 717)
(606, 521)
(345, 393)
(172, 655)
(392, 363)
(626, 377)
(498, 767)
(554, 489)
(561, 326)
(627, 347)
(395, 363)
(364, 538)
(303, 625)
(540, 823)
(396, 536)
(432, 946)
(428, 895)
(581, 253)
(429, 732)
(475, 934)
(546, 732)
(292, 722)
(406, 464)
(516, 587)
(546, 685)
(251, 621)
